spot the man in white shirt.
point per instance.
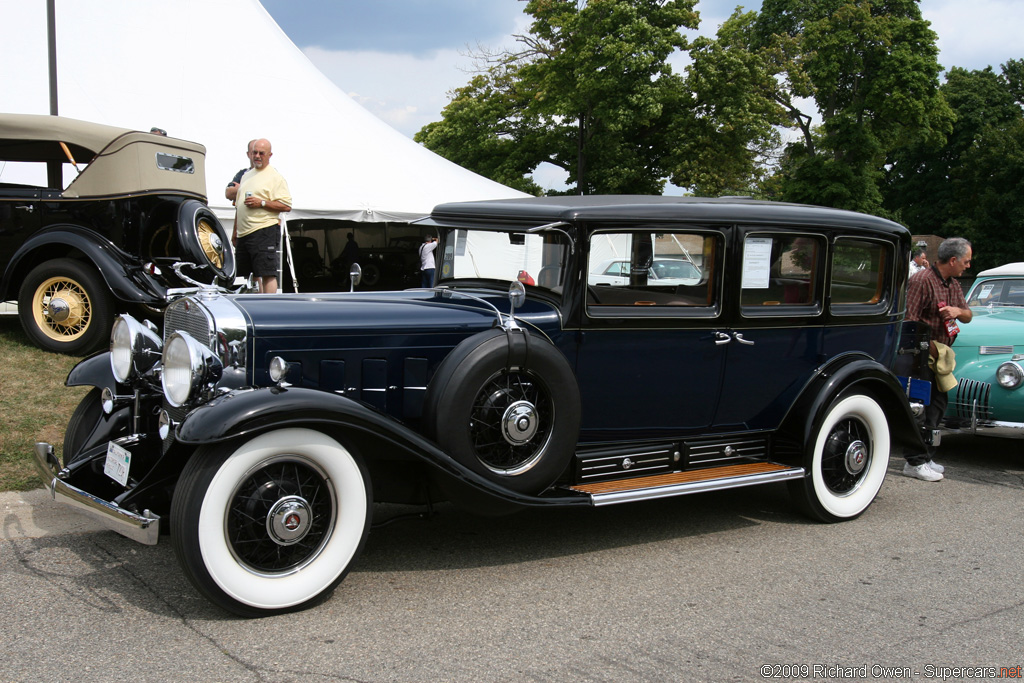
(917, 261)
(427, 264)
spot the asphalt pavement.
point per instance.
(728, 586)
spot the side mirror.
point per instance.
(516, 294)
(355, 274)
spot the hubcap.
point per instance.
(856, 457)
(58, 310)
(519, 423)
(288, 520)
(66, 307)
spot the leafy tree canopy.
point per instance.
(589, 91)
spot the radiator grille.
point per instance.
(972, 398)
(188, 316)
(185, 316)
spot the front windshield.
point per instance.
(535, 259)
(1001, 292)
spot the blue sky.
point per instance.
(400, 58)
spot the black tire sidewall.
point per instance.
(190, 213)
(460, 378)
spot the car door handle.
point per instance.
(28, 208)
(739, 337)
(722, 338)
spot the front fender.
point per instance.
(842, 375)
(94, 371)
(60, 240)
(248, 412)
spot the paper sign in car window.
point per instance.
(757, 262)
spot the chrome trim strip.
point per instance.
(144, 528)
(995, 350)
(599, 499)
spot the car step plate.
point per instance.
(691, 481)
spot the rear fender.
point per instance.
(843, 375)
(63, 240)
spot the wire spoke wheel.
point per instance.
(845, 456)
(505, 405)
(62, 309)
(211, 243)
(280, 515)
(65, 306)
(511, 422)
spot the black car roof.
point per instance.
(652, 208)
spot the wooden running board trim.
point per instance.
(691, 481)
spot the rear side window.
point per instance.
(860, 275)
(782, 273)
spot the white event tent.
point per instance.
(221, 72)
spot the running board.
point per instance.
(682, 483)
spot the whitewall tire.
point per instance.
(272, 524)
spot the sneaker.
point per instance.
(935, 467)
(922, 472)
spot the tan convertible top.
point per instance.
(119, 161)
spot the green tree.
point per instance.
(985, 196)
(729, 115)
(589, 91)
(922, 178)
(870, 70)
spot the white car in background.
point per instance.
(662, 272)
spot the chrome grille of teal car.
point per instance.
(972, 399)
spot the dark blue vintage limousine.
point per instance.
(259, 429)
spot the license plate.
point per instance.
(119, 460)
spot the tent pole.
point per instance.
(54, 169)
(291, 259)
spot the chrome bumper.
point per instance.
(1006, 430)
(144, 528)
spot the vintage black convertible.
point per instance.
(130, 228)
(259, 429)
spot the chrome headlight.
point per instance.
(134, 348)
(188, 367)
(278, 369)
(1009, 375)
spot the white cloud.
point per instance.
(978, 33)
(403, 90)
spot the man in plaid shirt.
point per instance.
(935, 298)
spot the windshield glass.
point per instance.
(1003, 292)
(535, 259)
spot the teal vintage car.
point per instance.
(989, 398)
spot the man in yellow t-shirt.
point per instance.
(263, 195)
